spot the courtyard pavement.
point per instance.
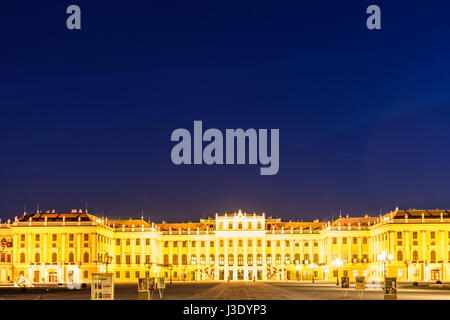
(242, 291)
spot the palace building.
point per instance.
(51, 248)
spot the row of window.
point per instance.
(240, 259)
(128, 242)
(241, 225)
(137, 274)
(240, 243)
(415, 255)
(137, 259)
(354, 240)
(5, 257)
(54, 237)
(54, 257)
(287, 260)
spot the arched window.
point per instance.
(250, 259)
(306, 258)
(259, 260)
(269, 259)
(22, 257)
(184, 259)
(86, 257)
(175, 259)
(37, 258)
(166, 259)
(230, 260)
(211, 259)
(316, 258)
(202, 259)
(433, 255)
(54, 257)
(287, 258)
(240, 260)
(71, 257)
(297, 258)
(399, 255)
(193, 259)
(221, 260)
(415, 255)
(278, 259)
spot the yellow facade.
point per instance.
(68, 247)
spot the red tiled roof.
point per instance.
(56, 217)
(129, 223)
(354, 221)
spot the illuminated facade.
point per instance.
(68, 247)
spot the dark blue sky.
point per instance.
(87, 115)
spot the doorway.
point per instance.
(435, 275)
(36, 276)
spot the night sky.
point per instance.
(86, 116)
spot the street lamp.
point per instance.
(170, 267)
(385, 258)
(299, 268)
(313, 266)
(337, 263)
(108, 260)
(149, 265)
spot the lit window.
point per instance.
(240, 260)
(230, 260)
(250, 259)
(278, 259)
(287, 259)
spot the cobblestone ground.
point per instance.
(242, 291)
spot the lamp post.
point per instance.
(299, 271)
(337, 263)
(385, 258)
(149, 265)
(313, 266)
(108, 260)
(170, 270)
